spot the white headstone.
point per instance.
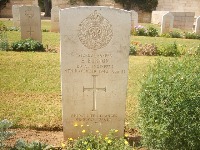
(55, 19)
(197, 26)
(134, 19)
(94, 69)
(30, 22)
(167, 23)
(16, 16)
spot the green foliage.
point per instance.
(90, 2)
(4, 134)
(98, 142)
(151, 31)
(27, 45)
(132, 50)
(147, 49)
(144, 5)
(35, 145)
(175, 34)
(169, 50)
(140, 31)
(191, 35)
(12, 29)
(170, 105)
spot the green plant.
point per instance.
(147, 49)
(35, 145)
(133, 50)
(170, 104)
(151, 31)
(169, 50)
(191, 35)
(4, 134)
(98, 142)
(140, 31)
(27, 45)
(45, 30)
(12, 29)
(175, 34)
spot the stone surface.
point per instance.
(16, 16)
(94, 69)
(167, 23)
(30, 22)
(55, 19)
(197, 26)
(156, 16)
(134, 19)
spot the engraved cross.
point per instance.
(30, 31)
(94, 89)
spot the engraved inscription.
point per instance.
(94, 89)
(94, 118)
(95, 31)
(30, 32)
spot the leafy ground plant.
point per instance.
(4, 133)
(35, 145)
(170, 104)
(27, 45)
(98, 142)
(169, 50)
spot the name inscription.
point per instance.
(94, 64)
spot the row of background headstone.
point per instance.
(30, 24)
(28, 18)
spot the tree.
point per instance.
(145, 5)
(47, 8)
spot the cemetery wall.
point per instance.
(179, 6)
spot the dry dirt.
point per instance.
(54, 138)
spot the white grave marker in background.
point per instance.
(30, 22)
(197, 26)
(55, 19)
(16, 16)
(167, 23)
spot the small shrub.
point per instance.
(4, 133)
(27, 45)
(12, 29)
(170, 105)
(35, 145)
(98, 142)
(132, 50)
(151, 31)
(140, 31)
(175, 34)
(45, 30)
(190, 35)
(147, 49)
(169, 50)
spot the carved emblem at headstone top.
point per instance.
(95, 31)
(29, 13)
